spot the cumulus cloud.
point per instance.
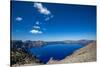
(42, 9)
(47, 16)
(36, 31)
(19, 18)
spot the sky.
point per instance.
(52, 21)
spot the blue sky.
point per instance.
(52, 22)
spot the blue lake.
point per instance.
(55, 51)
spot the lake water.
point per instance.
(55, 51)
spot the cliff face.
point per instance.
(85, 54)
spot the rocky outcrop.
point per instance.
(85, 54)
(21, 56)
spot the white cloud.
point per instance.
(37, 22)
(36, 31)
(42, 9)
(47, 18)
(47, 15)
(36, 27)
(19, 18)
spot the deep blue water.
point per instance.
(56, 51)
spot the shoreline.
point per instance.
(85, 54)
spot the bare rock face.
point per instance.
(85, 54)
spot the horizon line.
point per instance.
(55, 40)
